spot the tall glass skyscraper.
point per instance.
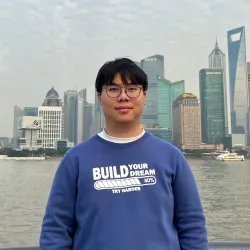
(153, 66)
(238, 84)
(217, 60)
(167, 92)
(18, 114)
(70, 116)
(248, 79)
(212, 106)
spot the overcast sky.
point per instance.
(64, 42)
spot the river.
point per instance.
(24, 187)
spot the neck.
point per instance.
(123, 130)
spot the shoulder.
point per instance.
(159, 144)
(84, 147)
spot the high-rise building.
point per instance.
(52, 125)
(52, 114)
(186, 122)
(153, 66)
(70, 115)
(238, 84)
(138, 64)
(212, 106)
(166, 93)
(85, 112)
(18, 114)
(97, 123)
(248, 79)
(217, 61)
(97, 105)
(88, 114)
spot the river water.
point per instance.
(24, 187)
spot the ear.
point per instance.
(99, 96)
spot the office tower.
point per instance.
(212, 106)
(217, 61)
(186, 122)
(238, 84)
(153, 66)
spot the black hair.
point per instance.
(126, 68)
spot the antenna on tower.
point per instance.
(216, 43)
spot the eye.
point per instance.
(132, 89)
(113, 89)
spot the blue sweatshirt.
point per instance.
(134, 196)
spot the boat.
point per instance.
(33, 158)
(230, 157)
(213, 155)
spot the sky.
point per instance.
(63, 43)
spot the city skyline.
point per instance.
(72, 40)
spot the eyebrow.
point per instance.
(129, 83)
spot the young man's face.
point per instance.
(122, 109)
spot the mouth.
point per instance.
(123, 107)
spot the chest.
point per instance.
(114, 178)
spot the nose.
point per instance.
(123, 96)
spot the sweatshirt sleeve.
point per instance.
(189, 217)
(59, 221)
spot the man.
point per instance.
(123, 189)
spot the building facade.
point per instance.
(186, 122)
(30, 111)
(18, 114)
(162, 133)
(217, 61)
(85, 112)
(248, 79)
(167, 92)
(70, 115)
(97, 123)
(212, 106)
(52, 125)
(62, 144)
(153, 66)
(53, 121)
(30, 126)
(238, 84)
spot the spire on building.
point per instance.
(216, 44)
(217, 57)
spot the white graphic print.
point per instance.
(125, 178)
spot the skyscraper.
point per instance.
(217, 61)
(84, 114)
(70, 116)
(52, 113)
(238, 84)
(166, 93)
(153, 66)
(212, 106)
(248, 79)
(18, 114)
(186, 122)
